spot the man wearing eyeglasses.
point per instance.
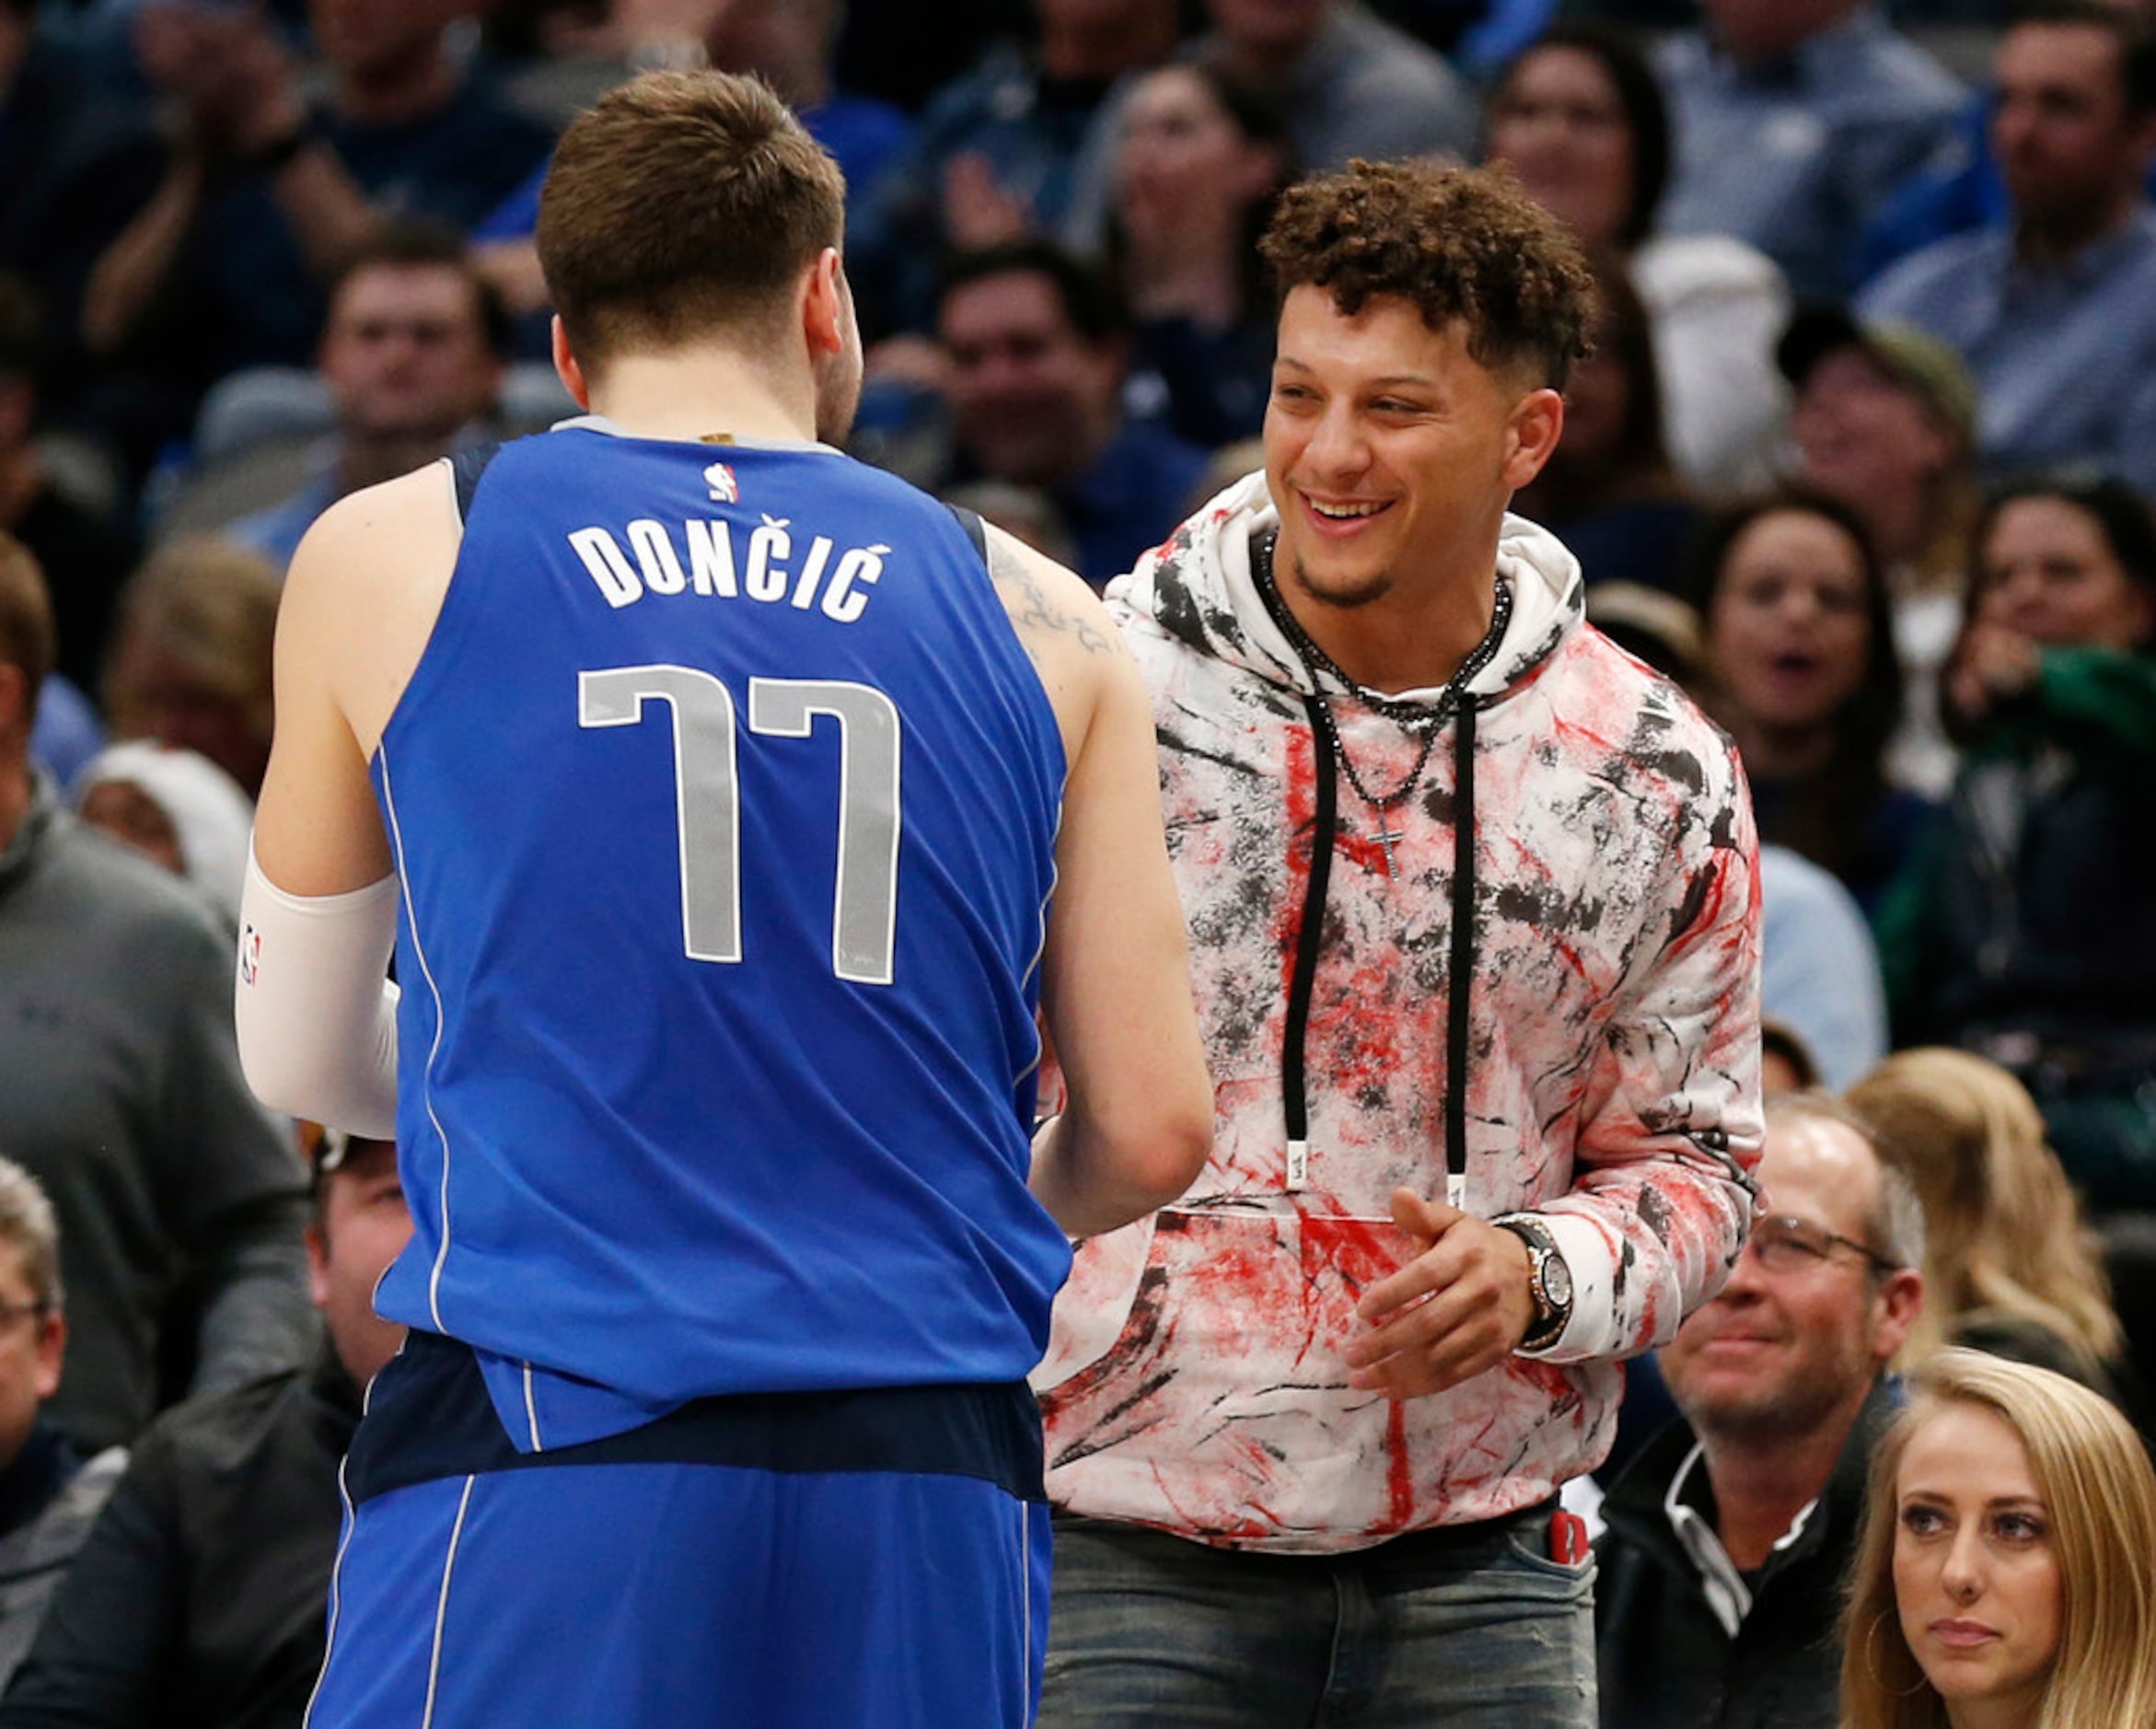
(1720, 1571)
(198, 1598)
(49, 1494)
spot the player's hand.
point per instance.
(1454, 1311)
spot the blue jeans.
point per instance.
(1479, 1629)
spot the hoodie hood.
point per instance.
(1199, 587)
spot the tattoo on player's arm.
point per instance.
(1032, 607)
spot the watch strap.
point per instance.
(1550, 1317)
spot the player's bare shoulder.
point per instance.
(364, 588)
(1065, 631)
(1050, 607)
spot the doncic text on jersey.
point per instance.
(706, 561)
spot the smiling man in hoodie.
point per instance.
(1306, 1427)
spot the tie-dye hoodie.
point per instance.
(1194, 1380)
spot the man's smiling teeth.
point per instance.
(1341, 513)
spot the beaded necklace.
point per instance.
(1415, 717)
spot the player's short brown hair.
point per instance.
(1463, 244)
(682, 204)
(27, 635)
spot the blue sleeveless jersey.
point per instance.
(724, 801)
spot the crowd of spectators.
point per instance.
(1864, 455)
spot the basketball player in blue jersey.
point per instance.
(712, 789)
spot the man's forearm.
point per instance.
(134, 269)
(327, 211)
(1088, 1187)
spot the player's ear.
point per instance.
(1536, 422)
(568, 368)
(823, 305)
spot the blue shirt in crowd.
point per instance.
(1131, 499)
(1959, 189)
(1819, 969)
(2065, 353)
(1795, 155)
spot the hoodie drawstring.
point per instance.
(1460, 970)
(1325, 827)
(1309, 937)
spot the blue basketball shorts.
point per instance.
(850, 1561)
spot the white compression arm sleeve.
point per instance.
(315, 1009)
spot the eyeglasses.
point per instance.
(1787, 1243)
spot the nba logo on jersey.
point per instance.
(251, 955)
(719, 479)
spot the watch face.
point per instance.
(1557, 1282)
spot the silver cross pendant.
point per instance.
(1387, 838)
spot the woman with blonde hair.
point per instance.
(190, 661)
(2009, 1266)
(2005, 1577)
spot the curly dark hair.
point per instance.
(1460, 243)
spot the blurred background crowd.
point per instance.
(1865, 459)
